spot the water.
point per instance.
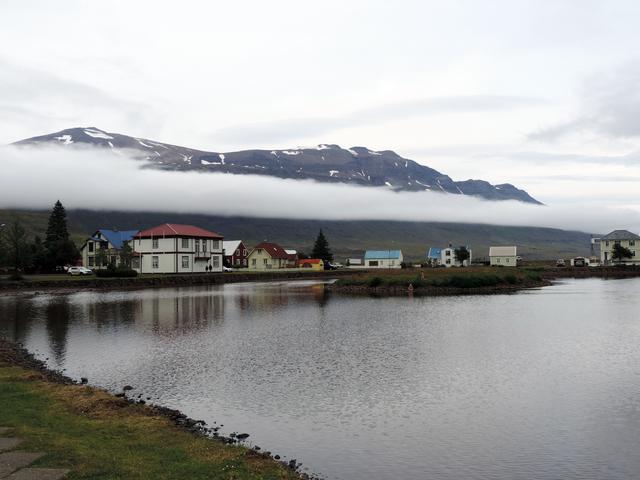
(544, 384)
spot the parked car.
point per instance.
(560, 262)
(227, 269)
(79, 271)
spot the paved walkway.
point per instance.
(14, 464)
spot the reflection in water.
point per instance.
(542, 384)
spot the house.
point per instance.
(235, 253)
(434, 256)
(292, 257)
(383, 259)
(104, 247)
(311, 264)
(503, 256)
(173, 248)
(625, 239)
(269, 256)
(448, 257)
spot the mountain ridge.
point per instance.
(328, 163)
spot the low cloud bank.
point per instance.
(33, 178)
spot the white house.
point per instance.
(625, 239)
(383, 259)
(447, 257)
(503, 256)
(172, 248)
(104, 247)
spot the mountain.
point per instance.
(346, 238)
(323, 163)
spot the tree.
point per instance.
(462, 254)
(60, 249)
(126, 254)
(38, 254)
(618, 252)
(321, 249)
(18, 253)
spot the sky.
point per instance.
(541, 94)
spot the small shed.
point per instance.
(311, 264)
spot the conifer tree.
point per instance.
(321, 248)
(60, 249)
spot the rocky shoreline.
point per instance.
(14, 354)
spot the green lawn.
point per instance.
(99, 436)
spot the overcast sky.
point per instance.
(541, 94)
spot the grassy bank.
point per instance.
(459, 278)
(99, 436)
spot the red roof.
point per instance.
(310, 260)
(176, 230)
(274, 250)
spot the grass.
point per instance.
(98, 436)
(472, 277)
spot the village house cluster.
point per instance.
(175, 248)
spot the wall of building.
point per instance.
(606, 248)
(259, 259)
(503, 261)
(172, 255)
(383, 263)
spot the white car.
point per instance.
(227, 269)
(79, 271)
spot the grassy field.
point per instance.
(99, 436)
(470, 277)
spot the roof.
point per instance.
(503, 251)
(382, 254)
(273, 249)
(230, 246)
(434, 252)
(620, 235)
(176, 230)
(310, 260)
(117, 238)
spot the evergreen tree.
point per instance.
(321, 249)
(618, 252)
(38, 254)
(462, 254)
(60, 249)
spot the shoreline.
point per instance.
(14, 355)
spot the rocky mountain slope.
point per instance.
(323, 163)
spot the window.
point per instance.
(215, 261)
(204, 245)
(632, 243)
(373, 263)
(154, 243)
(244, 262)
(245, 252)
(91, 246)
(448, 262)
(392, 263)
(185, 243)
(253, 262)
(264, 260)
(197, 245)
(215, 245)
(448, 253)
(507, 260)
(185, 261)
(135, 263)
(155, 261)
(91, 261)
(607, 243)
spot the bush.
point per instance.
(374, 282)
(116, 273)
(511, 279)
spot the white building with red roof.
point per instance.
(174, 248)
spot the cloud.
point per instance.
(293, 128)
(610, 106)
(97, 179)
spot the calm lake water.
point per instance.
(543, 384)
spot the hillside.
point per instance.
(347, 238)
(324, 163)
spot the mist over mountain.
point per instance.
(327, 163)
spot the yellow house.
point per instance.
(311, 264)
(269, 256)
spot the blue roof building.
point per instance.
(383, 259)
(108, 243)
(434, 253)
